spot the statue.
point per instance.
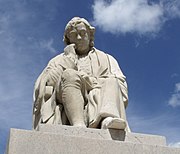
(82, 86)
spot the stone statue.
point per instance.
(82, 86)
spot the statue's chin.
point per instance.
(81, 51)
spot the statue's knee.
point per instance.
(112, 80)
(111, 83)
(70, 75)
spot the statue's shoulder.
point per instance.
(111, 58)
(105, 54)
(98, 51)
(56, 59)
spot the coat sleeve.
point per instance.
(116, 71)
(50, 77)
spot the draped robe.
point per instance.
(109, 97)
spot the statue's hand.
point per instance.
(90, 81)
(70, 52)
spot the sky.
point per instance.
(143, 36)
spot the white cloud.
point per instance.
(172, 8)
(22, 57)
(48, 45)
(174, 101)
(139, 16)
(158, 124)
(177, 144)
(177, 89)
(174, 75)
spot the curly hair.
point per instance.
(72, 23)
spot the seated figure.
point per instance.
(82, 86)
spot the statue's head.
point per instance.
(80, 32)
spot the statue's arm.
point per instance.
(49, 77)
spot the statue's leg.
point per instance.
(72, 97)
(110, 108)
(113, 105)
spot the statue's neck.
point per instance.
(82, 53)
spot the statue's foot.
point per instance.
(79, 125)
(113, 123)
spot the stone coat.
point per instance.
(104, 66)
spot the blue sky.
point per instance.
(144, 37)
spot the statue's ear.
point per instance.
(92, 31)
(66, 40)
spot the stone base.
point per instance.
(57, 139)
(108, 134)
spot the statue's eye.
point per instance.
(72, 34)
(82, 32)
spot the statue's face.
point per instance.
(79, 35)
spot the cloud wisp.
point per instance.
(174, 101)
(176, 145)
(134, 16)
(159, 124)
(171, 8)
(24, 47)
(48, 45)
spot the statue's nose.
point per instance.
(78, 37)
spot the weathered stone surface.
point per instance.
(37, 142)
(137, 138)
(111, 134)
(75, 131)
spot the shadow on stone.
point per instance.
(117, 134)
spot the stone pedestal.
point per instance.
(58, 139)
